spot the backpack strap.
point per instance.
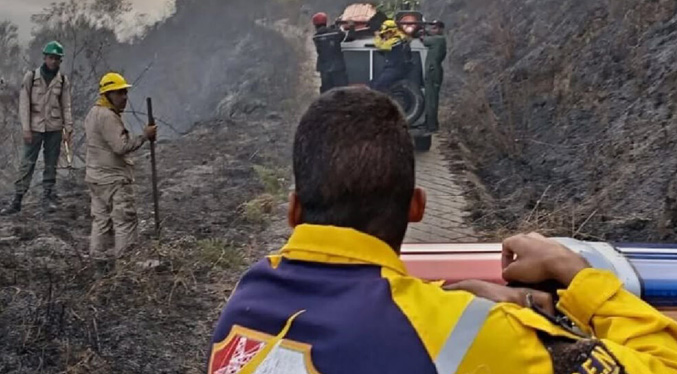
(63, 87)
(30, 88)
(63, 84)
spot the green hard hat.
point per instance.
(53, 48)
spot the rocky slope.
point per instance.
(565, 109)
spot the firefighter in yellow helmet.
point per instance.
(394, 44)
(110, 171)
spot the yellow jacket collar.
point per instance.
(103, 102)
(337, 245)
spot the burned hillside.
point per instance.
(564, 109)
(559, 112)
(226, 112)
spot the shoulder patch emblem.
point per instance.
(241, 346)
(600, 361)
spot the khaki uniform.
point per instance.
(110, 174)
(49, 107)
(44, 110)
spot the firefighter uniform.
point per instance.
(45, 111)
(437, 52)
(330, 61)
(110, 174)
(397, 55)
(335, 300)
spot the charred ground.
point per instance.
(223, 186)
(564, 109)
(58, 315)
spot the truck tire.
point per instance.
(410, 98)
(423, 143)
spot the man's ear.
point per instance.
(295, 211)
(417, 205)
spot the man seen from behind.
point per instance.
(338, 299)
(394, 45)
(330, 62)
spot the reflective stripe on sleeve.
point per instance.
(462, 336)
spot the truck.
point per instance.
(646, 270)
(364, 62)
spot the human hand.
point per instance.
(68, 137)
(534, 258)
(28, 137)
(151, 132)
(503, 294)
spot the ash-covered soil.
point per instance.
(564, 109)
(221, 188)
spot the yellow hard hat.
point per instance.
(388, 25)
(112, 82)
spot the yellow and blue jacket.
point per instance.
(335, 300)
(396, 50)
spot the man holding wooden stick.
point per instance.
(110, 170)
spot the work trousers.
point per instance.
(433, 83)
(50, 142)
(333, 79)
(114, 219)
(387, 78)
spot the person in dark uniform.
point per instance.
(392, 41)
(330, 62)
(437, 52)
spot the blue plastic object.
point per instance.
(656, 268)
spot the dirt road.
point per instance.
(444, 219)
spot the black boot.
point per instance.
(14, 207)
(49, 201)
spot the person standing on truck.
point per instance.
(330, 62)
(338, 299)
(393, 42)
(46, 121)
(110, 171)
(436, 43)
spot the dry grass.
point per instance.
(494, 115)
(275, 180)
(77, 314)
(259, 209)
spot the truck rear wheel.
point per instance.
(423, 143)
(410, 98)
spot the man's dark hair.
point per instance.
(354, 164)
